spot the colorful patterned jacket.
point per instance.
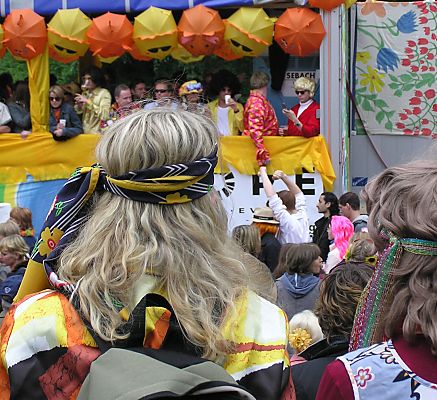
(260, 120)
(46, 349)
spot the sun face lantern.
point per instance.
(225, 52)
(249, 31)
(110, 35)
(181, 54)
(326, 5)
(2, 48)
(66, 33)
(299, 31)
(155, 33)
(25, 34)
(201, 30)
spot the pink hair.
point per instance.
(342, 230)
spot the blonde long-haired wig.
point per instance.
(185, 246)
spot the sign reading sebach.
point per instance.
(241, 194)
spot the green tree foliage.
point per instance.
(18, 69)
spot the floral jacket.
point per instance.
(260, 120)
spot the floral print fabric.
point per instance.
(396, 62)
(380, 368)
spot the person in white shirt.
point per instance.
(292, 217)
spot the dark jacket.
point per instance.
(297, 292)
(306, 376)
(270, 248)
(73, 124)
(20, 118)
(320, 236)
(9, 287)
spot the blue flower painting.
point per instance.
(407, 22)
(387, 59)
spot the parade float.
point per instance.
(326, 39)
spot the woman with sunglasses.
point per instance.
(64, 123)
(303, 118)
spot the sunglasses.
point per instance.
(300, 91)
(68, 51)
(244, 48)
(161, 90)
(156, 49)
(54, 98)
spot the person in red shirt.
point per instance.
(303, 118)
(259, 117)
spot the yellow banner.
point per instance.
(45, 159)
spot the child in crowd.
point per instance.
(288, 207)
(340, 230)
(362, 249)
(23, 218)
(268, 227)
(304, 330)
(298, 287)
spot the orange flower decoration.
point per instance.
(373, 7)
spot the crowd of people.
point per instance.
(141, 257)
(91, 108)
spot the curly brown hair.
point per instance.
(340, 292)
(403, 200)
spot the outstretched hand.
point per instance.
(278, 175)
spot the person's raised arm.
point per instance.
(291, 186)
(268, 187)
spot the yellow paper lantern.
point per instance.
(181, 54)
(2, 48)
(66, 33)
(155, 33)
(249, 31)
(349, 3)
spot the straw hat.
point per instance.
(265, 215)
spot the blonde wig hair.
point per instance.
(9, 228)
(186, 246)
(14, 244)
(249, 238)
(304, 83)
(403, 200)
(260, 278)
(259, 80)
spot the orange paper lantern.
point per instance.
(110, 35)
(299, 31)
(25, 33)
(201, 30)
(2, 48)
(327, 5)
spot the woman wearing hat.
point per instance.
(137, 252)
(190, 93)
(268, 227)
(303, 118)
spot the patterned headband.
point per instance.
(375, 301)
(169, 184)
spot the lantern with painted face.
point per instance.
(155, 33)
(66, 34)
(225, 52)
(25, 34)
(110, 35)
(249, 31)
(135, 53)
(201, 30)
(183, 55)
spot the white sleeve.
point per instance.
(5, 116)
(279, 210)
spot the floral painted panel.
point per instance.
(396, 64)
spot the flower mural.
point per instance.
(396, 63)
